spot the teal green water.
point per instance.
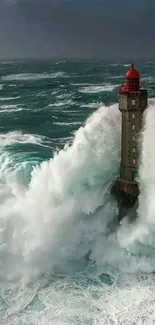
(59, 152)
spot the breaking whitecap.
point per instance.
(34, 76)
(97, 89)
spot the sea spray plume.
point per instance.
(57, 218)
(64, 212)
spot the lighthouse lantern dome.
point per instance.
(132, 79)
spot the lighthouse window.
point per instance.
(133, 138)
(133, 115)
(133, 149)
(133, 102)
(134, 161)
(134, 175)
(133, 127)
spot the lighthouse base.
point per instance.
(126, 194)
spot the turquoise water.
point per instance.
(59, 153)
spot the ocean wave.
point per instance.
(7, 62)
(149, 79)
(1, 87)
(68, 102)
(63, 96)
(11, 108)
(67, 206)
(120, 64)
(115, 64)
(67, 123)
(97, 89)
(92, 105)
(9, 98)
(12, 85)
(34, 76)
(81, 84)
(61, 62)
(116, 77)
(18, 137)
(62, 192)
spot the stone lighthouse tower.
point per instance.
(132, 103)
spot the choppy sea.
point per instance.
(60, 131)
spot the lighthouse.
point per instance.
(132, 103)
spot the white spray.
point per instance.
(64, 212)
(56, 218)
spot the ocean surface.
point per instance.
(60, 262)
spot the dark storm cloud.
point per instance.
(76, 28)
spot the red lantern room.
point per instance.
(132, 79)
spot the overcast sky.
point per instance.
(77, 28)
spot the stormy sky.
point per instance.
(77, 28)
